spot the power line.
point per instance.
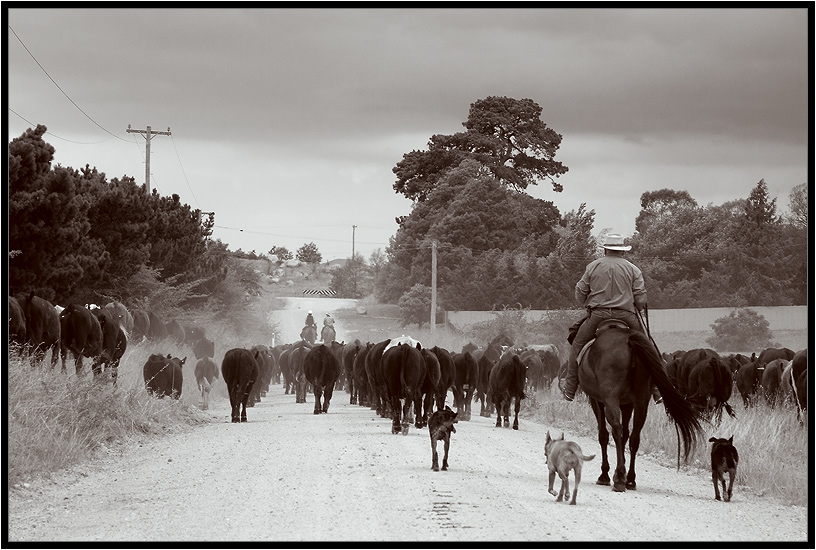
(55, 135)
(183, 172)
(61, 90)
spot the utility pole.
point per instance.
(353, 231)
(147, 133)
(433, 287)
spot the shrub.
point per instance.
(743, 329)
(415, 305)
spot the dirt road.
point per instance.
(288, 475)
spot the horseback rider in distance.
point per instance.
(310, 322)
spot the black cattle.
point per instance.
(122, 315)
(288, 379)
(403, 370)
(429, 388)
(264, 374)
(321, 369)
(141, 325)
(770, 354)
(465, 379)
(203, 348)
(799, 373)
(239, 369)
(163, 376)
(349, 353)
(206, 371)
(507, 380)
(360, 376)
(551, 363)
(749, 381)
(114, 343)
(771, 380)
(447, 372)
(276, 367)
(42, 327)
(535, 368)
(17, 322)
(376, 381)
(175, 331)
(482, 393)
(338, 348)
(299, 382)
(157, 330)
(737, 360)
(706, 382)
(194, 333)
(80, 334)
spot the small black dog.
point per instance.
(440, 426)
(724, 458)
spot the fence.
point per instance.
(665, 320)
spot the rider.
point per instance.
(328, 320)
(611, 288)
(310, 322)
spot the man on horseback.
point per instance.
(328, 320)
(611, 288)
(310, 322)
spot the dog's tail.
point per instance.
(584, 458)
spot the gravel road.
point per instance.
(288, 475)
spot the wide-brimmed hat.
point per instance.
(615, 242)
(309, 312)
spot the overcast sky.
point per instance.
(287, 123)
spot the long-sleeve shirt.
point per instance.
(613, 282)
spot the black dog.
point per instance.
(724, 458)
(440, 426)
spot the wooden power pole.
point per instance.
(147, 133)
(433, 287)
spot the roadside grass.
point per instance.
(57, 420)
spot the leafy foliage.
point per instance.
(354, 279)
(309, 254)
(415, 306)
(505, 136)
(281, 252)
(743, 328)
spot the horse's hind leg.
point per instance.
(634, 442)
(603, 440)
(613, 416)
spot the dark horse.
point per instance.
(617, 373)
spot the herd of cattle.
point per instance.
(392, 376)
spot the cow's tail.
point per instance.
(685, 418)
(405, 353)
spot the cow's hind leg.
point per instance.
(517, 407)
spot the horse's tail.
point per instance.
(684, 416)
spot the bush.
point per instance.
(415, 306)
(743, 329)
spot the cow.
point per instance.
(157, 329)
(193, 333)
(349, 353)
(80, 334)
(163, 375)
(535, 368)
(276, 352)
(299, 382)
(321, 369)
(203, 348)
(706, 381)
(772, 379)
(428, 388)
(376, 381)
(288, 380)
(485, 360)
(749, 381)
(141, 325)
(769, 354)
(338, 348)
(447, 371)
(17, 322)
(360, 376)
(206, 371)
(122, 315)
(507, 380)
(466, 377)
(239, 370)
(175, 331)
(42, 327)
(403, 370)
(799, 371)
(114, 344)
(264, 374)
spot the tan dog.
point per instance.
(563, 456)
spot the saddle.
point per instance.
(606, 324)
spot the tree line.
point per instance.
(74, 235)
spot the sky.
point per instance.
(288, 122)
